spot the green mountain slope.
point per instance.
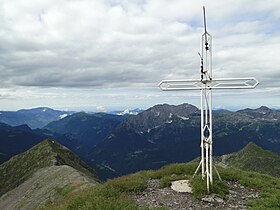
(254, 158)
(39, 175)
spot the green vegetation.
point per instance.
(255, 158)
(63, 191)
(200, 189)
(113, 194)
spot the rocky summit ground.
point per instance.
(154, 196)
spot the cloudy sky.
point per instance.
(102, 55)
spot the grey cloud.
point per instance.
(123, 44)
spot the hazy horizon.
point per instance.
(104, 109)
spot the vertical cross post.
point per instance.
(206, 104)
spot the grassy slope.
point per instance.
(113, 194)
(254, 158)
(21, 167)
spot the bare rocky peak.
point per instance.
(159, 115)
(182, 109)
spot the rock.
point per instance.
(181, 186)
(219, 200)
(231, 192)
(208, 199)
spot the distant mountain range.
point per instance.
(120, 144)
(41, 116)
(34, 118)
(166, 134)
(81, 131)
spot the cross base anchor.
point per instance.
(207, 161)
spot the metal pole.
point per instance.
(207, 166)
(197, 169)
(202, 135)
(210, 111)
(210, 135)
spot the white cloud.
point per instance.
(121, 44)
(101, 109)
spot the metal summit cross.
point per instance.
(206, 84)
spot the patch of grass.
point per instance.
(200, 188)
(63, 191)
(100, 203)
(174, 169)
(114, 188)
(165, 181)
(220, 188)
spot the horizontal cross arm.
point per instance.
(189, 84)
(196, 84)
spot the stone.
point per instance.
(182, 186)
(231, 192)
(208, 199)
(219, 200)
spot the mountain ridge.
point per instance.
(46, 153)
(37, 176)
(254, 158)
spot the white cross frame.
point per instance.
(206, 84)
